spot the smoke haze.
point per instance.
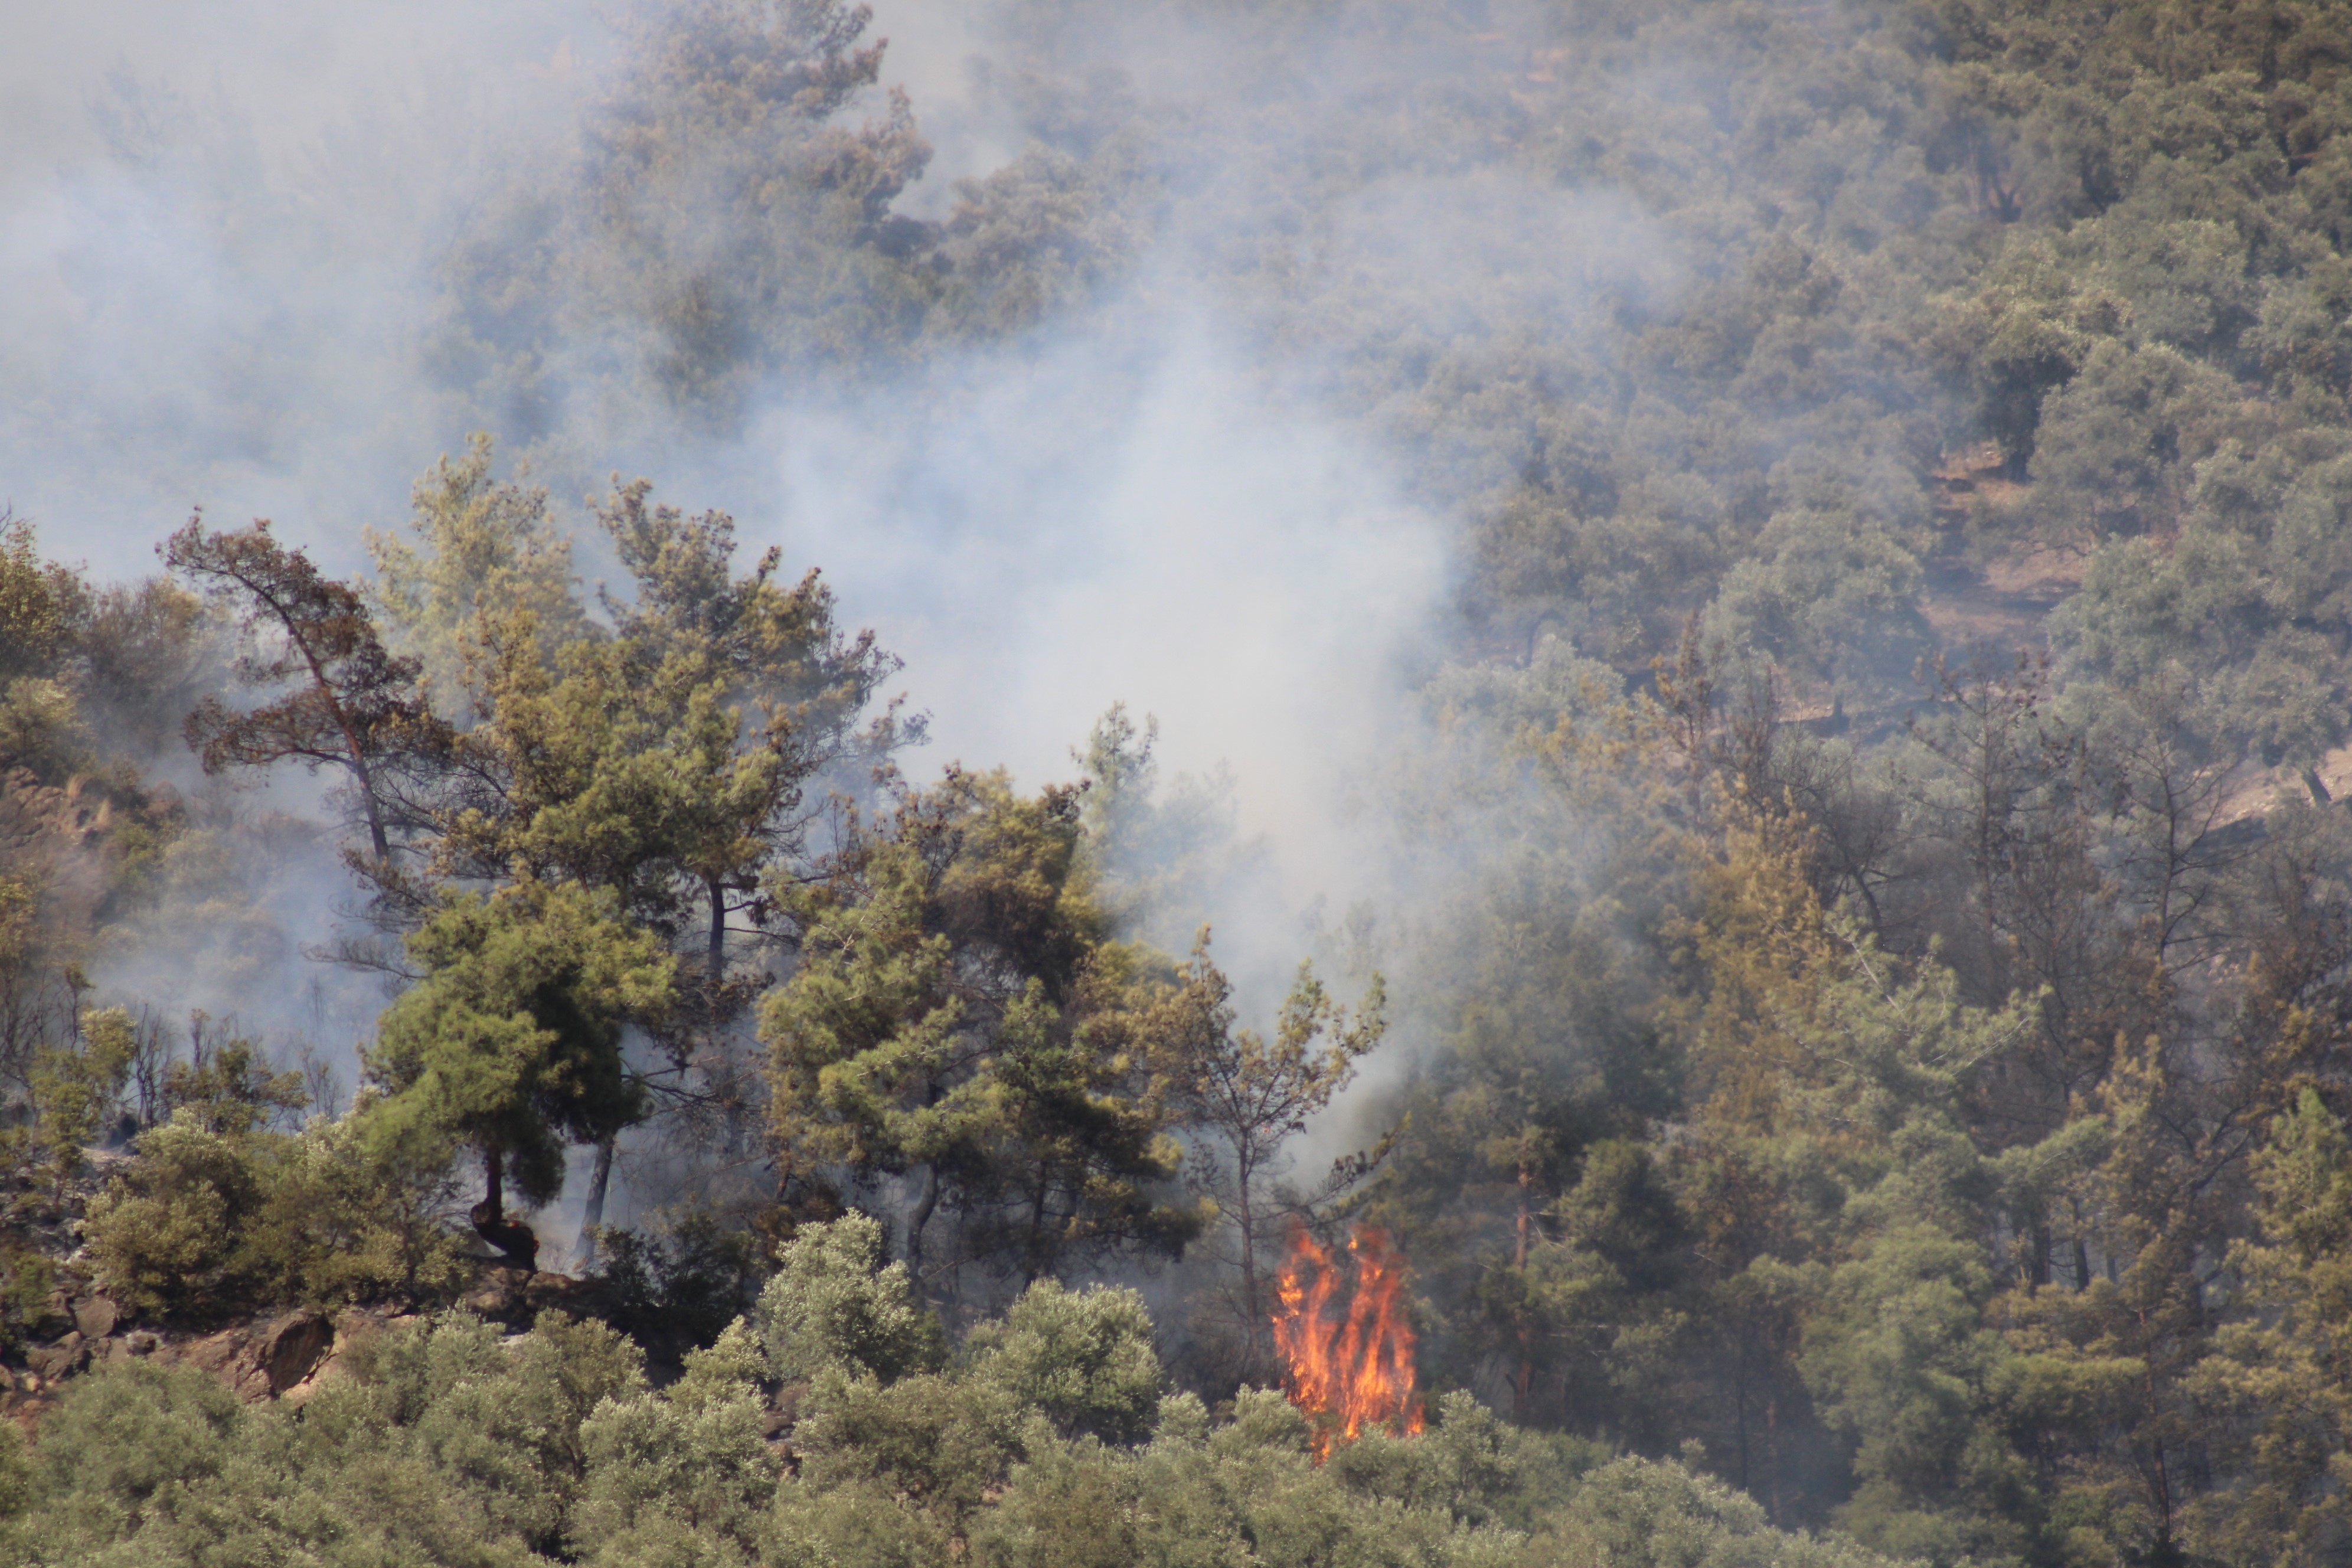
(223, 257)
(219, 245)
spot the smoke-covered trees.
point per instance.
(717, 223)
(601, 793)
(1250, 1094)
(1958, 1214)
(961, 1019)
(666, 752)
(353, 705)
(2108, 253)
(36, 599)
(796, 692)
(676, 755)
(729, 116)
(484, 548)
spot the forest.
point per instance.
(1812, 1021)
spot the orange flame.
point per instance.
(1347, 1367)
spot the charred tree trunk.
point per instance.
(1252, 1315)
(916, 1218)
(494, 1198)
(718, 943)
(512, 1237)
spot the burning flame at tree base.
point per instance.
(1346, 1354)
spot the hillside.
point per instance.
(1363, 781)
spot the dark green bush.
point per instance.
(689, 1281)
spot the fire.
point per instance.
(1347, 1355)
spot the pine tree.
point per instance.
(353, 705)
(2281, 1377)
(960, 1021)
(509, 1042)
(1251, 1094)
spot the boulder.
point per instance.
(95, 1316)
(289, 1349)
(51, 1362)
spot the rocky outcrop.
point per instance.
(265, 1360)
(286, 1355)
(289, 1356)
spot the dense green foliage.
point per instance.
(958, 1015)
(509, 1042)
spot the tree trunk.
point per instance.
(359, 762)
(717, 948)
(376, 838)
(1256, 1327)
(490, 1223)
(920, 1216)
(1524, 1381)
(1740, 1410)
(1029, 1270)
(494, 1196)
(592, 1216)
